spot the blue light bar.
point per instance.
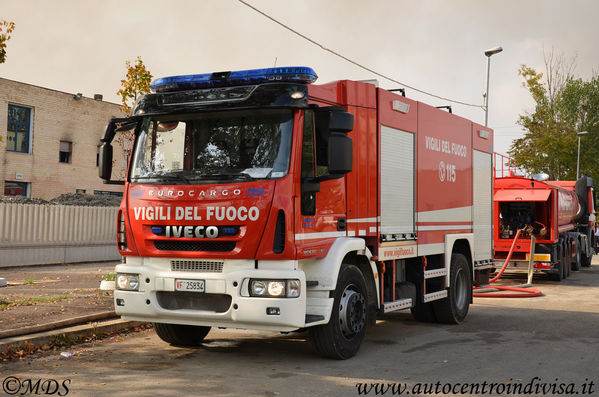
(290, 74)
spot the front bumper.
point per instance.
(225, 302)
(522, 265)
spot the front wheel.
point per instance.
(181, 335)
(454, 308)
(586, 260)
(568, 259)
(559, 274)
(342, 336)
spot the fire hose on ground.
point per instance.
(516, 292)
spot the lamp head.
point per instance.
(493, 51)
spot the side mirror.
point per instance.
(110, 132)
(332, 123)
(333, 119)
(341, 121)
(341, 154)
(117, 125)
(105, 163)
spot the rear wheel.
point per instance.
(181, 335)
(424, 312)
(454, 308)
(342, 336)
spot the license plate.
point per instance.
(190, 285)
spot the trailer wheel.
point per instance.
(342, 336)
(181, 335)
(576, 259)
(454, 308)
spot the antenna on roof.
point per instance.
(402, 90)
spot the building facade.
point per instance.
(50, 142)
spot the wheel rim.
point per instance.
(352, 311)
(461, 289)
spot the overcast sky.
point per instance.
(436, 46)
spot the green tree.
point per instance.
(136, 83)
(6, 29)
(564, 105)
(580, 109)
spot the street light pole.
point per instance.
(581, 133)
(488, 53)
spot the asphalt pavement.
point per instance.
(41, 303)
(527, 346)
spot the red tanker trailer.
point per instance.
(560, 215)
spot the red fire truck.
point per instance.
(256, 199)
(560, 215)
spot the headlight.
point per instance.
(127, 282)
(258, 287)
(275, 288)
(293, 288)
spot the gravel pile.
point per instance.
(68, 199)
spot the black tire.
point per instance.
(181, 335)
(342, 336)
(559, 275)
(585, 260)
(423, 312)
(576, 260)
(454, 308)
(568, 263)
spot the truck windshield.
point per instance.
(215, 147)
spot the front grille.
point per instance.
(218, 303)
(197, 266)
(213, 246)
(278, 245)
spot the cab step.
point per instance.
(397, 305)
(433, 296)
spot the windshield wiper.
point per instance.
(221, 175)
(165, 177)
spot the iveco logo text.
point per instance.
(191, 231)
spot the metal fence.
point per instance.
(41, 234)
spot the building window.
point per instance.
(19, 129)
(65, 152)
(98, 156)
(16, 189)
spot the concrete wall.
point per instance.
(43, 234)
(57, 116)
